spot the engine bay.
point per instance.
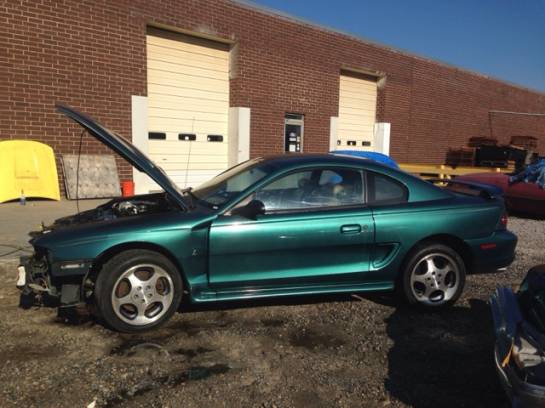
(137, 206)
(117, 208)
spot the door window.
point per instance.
(313, 189)
(232, 182)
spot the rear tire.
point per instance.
(433, 277)
(138, 290)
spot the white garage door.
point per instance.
(357, 111)
(188, 104)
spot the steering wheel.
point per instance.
(306, 189)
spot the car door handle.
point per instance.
(351, 229)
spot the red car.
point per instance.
(527, 198)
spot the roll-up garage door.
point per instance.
(188, 104)
(357, 111)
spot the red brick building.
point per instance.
(219, 75)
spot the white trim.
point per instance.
(333, 132)
(382, 138)
(239, 135)
(139, 124)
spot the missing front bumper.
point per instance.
(34, 283)
(38, 289)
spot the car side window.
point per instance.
(384, 190)
(292, 181)
(313, 189)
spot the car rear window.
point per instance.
(384, 190)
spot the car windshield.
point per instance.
(222, 188)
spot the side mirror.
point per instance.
(250, 210)
(255, 208)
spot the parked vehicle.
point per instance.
(525, 198)
(519, 323)
(277, 226)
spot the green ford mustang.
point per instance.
(278, 226)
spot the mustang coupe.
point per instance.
(275, 226)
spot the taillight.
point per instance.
(503, 221)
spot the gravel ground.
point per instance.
(346, 351)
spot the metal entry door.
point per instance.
(293, 133)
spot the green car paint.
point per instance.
(224, 256)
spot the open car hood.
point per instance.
(126, 150)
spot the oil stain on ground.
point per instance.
(31, 352)
(134, 346)
(191, 353)
(313, 339)
(195, 373)
(125, 347)
(272, 322)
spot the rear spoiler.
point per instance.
(487, 191)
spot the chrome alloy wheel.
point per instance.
(435, 279)
(142, 294)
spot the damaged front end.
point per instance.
(519, 322)
(39, 287)
(34, 282)
(60, 271)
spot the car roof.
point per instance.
(289, 160)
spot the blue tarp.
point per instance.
(534, 173)
(378, 157)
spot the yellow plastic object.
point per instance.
(28, 167)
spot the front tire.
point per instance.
(138, 290)
(434, 277)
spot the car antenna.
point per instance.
(77, 169)
(189, 152)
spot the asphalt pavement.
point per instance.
(17, 220)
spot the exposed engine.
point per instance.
(138, 206)
(116, 208)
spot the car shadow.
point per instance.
(443, 358)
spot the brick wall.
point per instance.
(91, 55)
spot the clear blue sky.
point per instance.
(501, 38)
